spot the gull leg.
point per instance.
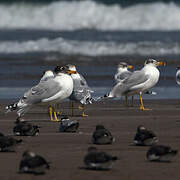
(50, 113)
(55, 115)
(72, 108)
(126, 100)
(141, 103)
(132, 101)
(58, 112)
(83, 113)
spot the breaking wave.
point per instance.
(73, 15)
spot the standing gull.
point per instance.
(138, 82)
(122, 74)
(47, 92)
(47, 75)
(81, 91)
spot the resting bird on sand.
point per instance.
(122, 74)
(81, 91)
(24, 128)
(98, 160)
(67, 125)
(178, 75)
(138, 82)
(144, 137)
(8, 143)
(161, 153)
(102, 136)
(49, 92)
(33, 163)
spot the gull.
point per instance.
(8, 143)
(101, 135)
(144, 137)
(122, 74)
(138, 82)
(68, 125)
(178, 75)
(98, 160)
(48, 74)
(24, 128)
(33, 163)
(81, 91)
(161, 153)
(49, 92)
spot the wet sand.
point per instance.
(65, 151)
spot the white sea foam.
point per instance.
(97, 48)
(92, 15)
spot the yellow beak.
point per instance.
(130, 67)
(71, 72)
(161, 63)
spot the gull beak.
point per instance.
(130, 67)
(161, 63)
(71, 72)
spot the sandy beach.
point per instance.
(65, 151)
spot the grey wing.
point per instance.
(137, 77)
(43, 90)
(84, 83)
(122, 76)
(134, 79)
(81, 90)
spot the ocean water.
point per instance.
(35, 35)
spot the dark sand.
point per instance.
(66, 151)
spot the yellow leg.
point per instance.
(50, 113)
(83, 113)
(141, 103)
(80, 107)
(55, 115)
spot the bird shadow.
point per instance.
(93, 169)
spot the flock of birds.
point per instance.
(65, 82)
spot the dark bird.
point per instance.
(67, 125)
(144, 137)
(102, 136)
(160, 153)
(23, 128)
(33, 163)
(8, 143)
(98, 160)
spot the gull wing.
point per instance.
(136, 78)
(44, 90)
(122, 76)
